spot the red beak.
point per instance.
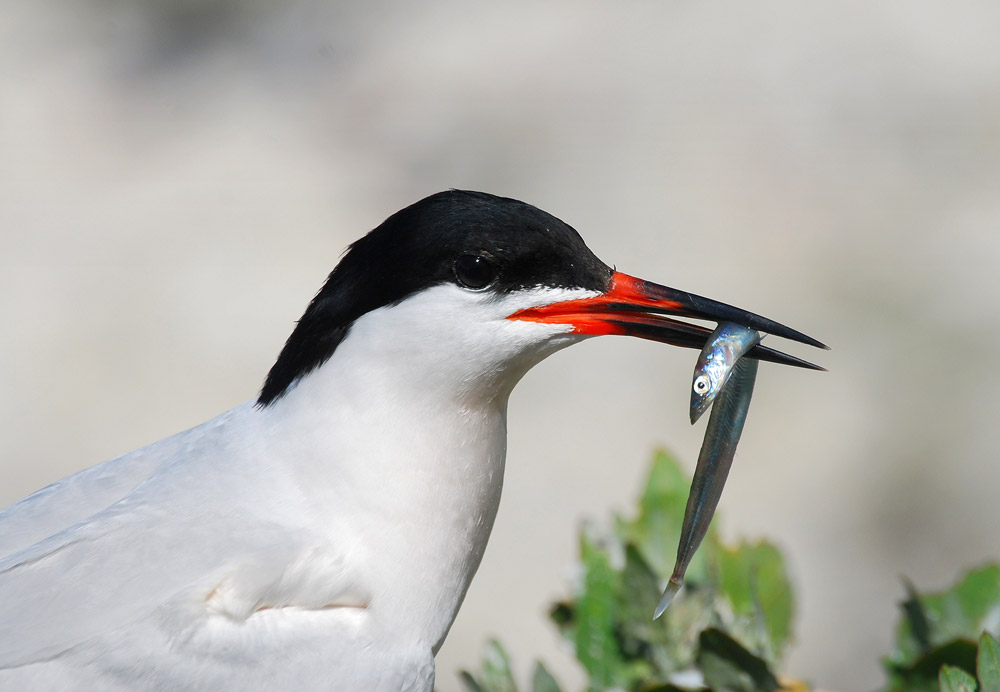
(635, 307)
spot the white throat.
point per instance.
(398, 441)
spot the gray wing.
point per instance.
(74, 499)
(145, 547)
(116, 569)
(105, 547)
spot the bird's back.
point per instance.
(135, 574)
(76, 498)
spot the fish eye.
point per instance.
(474, 271)
(701, 385)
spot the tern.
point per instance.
(323, 535)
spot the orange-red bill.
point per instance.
(635, 307)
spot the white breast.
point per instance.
(328, 537)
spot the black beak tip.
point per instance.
(798, 336)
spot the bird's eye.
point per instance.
(474, 271)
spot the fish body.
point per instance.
(725, 425)
(728, 343)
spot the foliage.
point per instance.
(727, 630)
(729, 627)
(946, 640)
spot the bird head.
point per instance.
(485, 287)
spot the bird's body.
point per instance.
(322, 537)
(256, 529)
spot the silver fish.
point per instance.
(725, 426)
(723, 349)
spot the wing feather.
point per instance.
(179, 529)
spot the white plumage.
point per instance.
(324, 536)
(324, 542)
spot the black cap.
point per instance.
(473, 239)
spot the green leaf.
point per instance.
(469, 682)
(669, 643)
(958, 653)
(916, 617)
(728, 666)
(952, 679)
(640, 637)
(923, 672)
(975, 598)
(753, 578)
(656, 530)
(637, 598)
(988, 664)
(960, 612)
(542, 680)
(595, 614)
(497, 675)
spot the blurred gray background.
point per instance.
(177, 177)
